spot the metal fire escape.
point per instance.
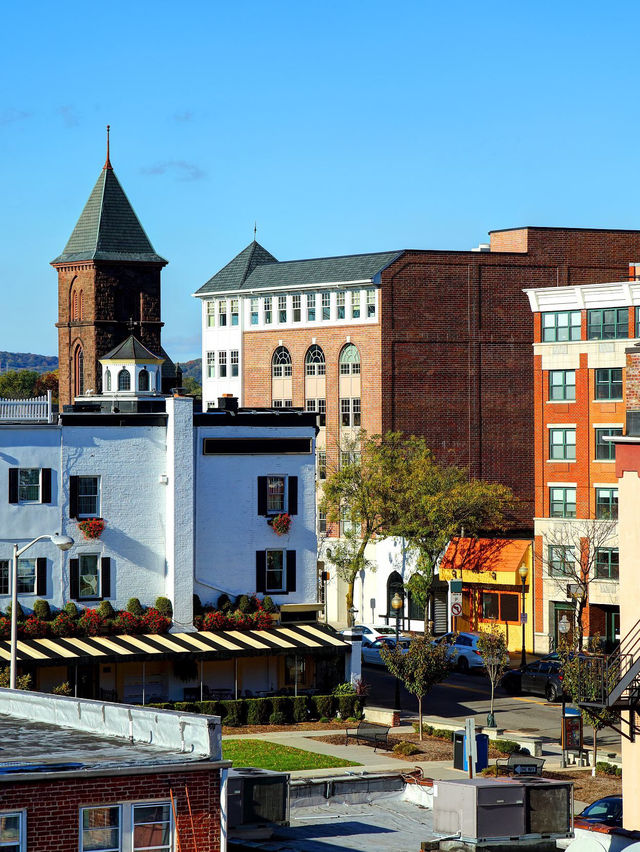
(612, 683)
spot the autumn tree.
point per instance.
(495, 656)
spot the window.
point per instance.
(140, 827)
(562, 444)
(606, 450)
(282, 403)
(107, 379)
(607, 563)
(143, 380)
(509, 608)
(89, 576)
(560, 325)
(340, 302)
(326, 306)
(321, 457)
(282, 308)
(561, 563)
(609, 383)
(254, 311)
(124, 380)
(355, 304)
(211, 365)
(234, 358)
(349, 457)
(88, 496)
(234, 311)
(349, 360)
(295, 670)
(320, 407)
(311, 307)
(349, 526)
(281, 363)
(297, 310)
(371, 303)
(12, 832)
(275, 494)
(350, 412)
(152, 827)
(562, 502)
(4, 577)
(275, 571)
(211, 314)
(490, 605)
(607, 503)
(29, 485)
(322, 522)
(78, 371)
(562, 384)
(267, 310)
(607, 324)
(26, 576)
(222, 364)
(222, 312)
(314, 363)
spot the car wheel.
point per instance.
(551, 692)
(463, 665)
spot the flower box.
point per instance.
(280, 524)
(91, 527)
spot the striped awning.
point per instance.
(203, 644)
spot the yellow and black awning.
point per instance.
(297, 638)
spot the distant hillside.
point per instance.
(193, 369)
(27, 361)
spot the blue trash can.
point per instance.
(482, 753)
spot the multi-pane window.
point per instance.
(89, 576)
(607, 503)
(561, 560)
(562, 444)
(222, 364)
(234, 311)
(355, 304)
(211, 365)
(349, 360)
(340, 304)
(124, 380)
(254, 311)
(326, 306)
(562, 384)
(607, 323)
(29, 485)
(371, 303)
(322, 522)
(311, 307)
(88, 496)
(321, 456)
(276, 494)
(275, 571)
(281, 366)
(4, 576)
(139, 828)
(350, 412)
(320, 407)
(267, 310)
(211, 313)
(314, 363)
(349, 526)
(606, 450)
(349, 457)
(222, 312)
(152, 827)
(562, 502)
(100, 830)
(282, 308)
(607, 563)
(234, 356)
(296, 308)
(12, 832)
(609, 383)
(26, 576)
(560, 325)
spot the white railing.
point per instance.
(16, 410)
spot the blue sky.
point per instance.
(339, 127)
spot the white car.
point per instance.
(462, 648)
(371, 631)
(371, 648)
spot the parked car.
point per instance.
(542, 677)
(463, 650)
(371, 648)
(371, 631)
(607, 811)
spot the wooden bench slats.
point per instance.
(368, 732)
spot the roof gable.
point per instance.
(130, 350)
(235, 273)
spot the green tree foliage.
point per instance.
(495, 656)
(423, 666)
(18, 384)
(191, 387)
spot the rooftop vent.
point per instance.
(227, 402)
(482, 247)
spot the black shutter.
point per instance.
(293, 495)
(262, 495)
(291, 570)
(105, 573)
(41, 577)
(46, 485)
(13, 484)
(261, 571)
(74, 579)
(73, 496)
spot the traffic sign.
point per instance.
(455, 587)
(456, 609)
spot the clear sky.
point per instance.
(340, 127)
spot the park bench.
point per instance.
(370, 733)
(521, 764)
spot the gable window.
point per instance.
(222, 312)
(607, 324)
(275, 579)
(282, 308)
(371, 303)
(311, 307)
(211, 365)
(124, 380)
(314, 363)
(562, 502)
(355, 304)
(107, 379)
(340, 303)
(609, 383)
(607, 503)
(143, 380)
(606, 450)
(561, 561)
(211, 314)
(234, 311)
(349, 360)
(281, 363)
(222, 364)
(562, 384)
(297, 310)
(275, 494)
(254, 311)
(89, 576)
(326, 306)
(88, 496)
(267, 310)
(562, 444)
(234, 358)
(607, 563)
(560, 326)
(29, 485)
(26, 576)
(13, 832)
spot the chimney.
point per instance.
(227, 402)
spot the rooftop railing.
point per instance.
(38, 409)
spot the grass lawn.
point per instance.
(266, 755)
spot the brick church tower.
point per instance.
(108, 289)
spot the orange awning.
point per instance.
(484, 554)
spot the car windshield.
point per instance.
(602, 809)
(385, 631)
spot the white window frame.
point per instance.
(254, 311)
(311, 306)
(296, 307)
(235, 311)
(211, 365)
(222, 313)
(21, 813)
(282, 309)
(274, 589)
(355, 304)
(371, 303)
(117, 807)
(39, 498)
(341, 304)
(95, 514)
(211, 314)
(325, 307)
(234, 360)
(126, 824)
(267, 310)
(222, 364)
(98, 574)
(285, 493)
(22, 562)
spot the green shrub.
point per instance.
(427, 730)
(185, 707)
(135, 607)
(162, 705)
(71, 609)
(406, 748)
(197, 606)
(268, 604)
(224, 602)
(442, 734)
(42, 609)
(62, 688)
(106, 610)
(243, 604)
(277, 719)
(233, 713)
(209, 708)
(19, 612)
(258, 711)
(349, 705)
(605, 768)
(490, 770)
(345, 688)
(164, 607)
(323, 706)
(324, 719)
(283, 705)
(300, 709)
(506, 746)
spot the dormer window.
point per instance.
(124, 380)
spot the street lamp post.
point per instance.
(523, 571)
(396, 606)
(63, 542)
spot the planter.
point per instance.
(91, 528)
(280, 524)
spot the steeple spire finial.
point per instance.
(255, 230)
(107, 164)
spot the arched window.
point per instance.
(107, 379)
(281, 363)
(314, 363)
(124, 380)
(143, 380)
(74, 305)
(394, 584)
(78, 371)
(349, 360)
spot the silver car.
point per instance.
(371, 648)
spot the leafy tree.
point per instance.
(425, 664)
(191, 387)
(18, 384)
(47, 382)
(347, 556)
(495, 656)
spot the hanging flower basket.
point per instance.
(92, 527)
(281, 524)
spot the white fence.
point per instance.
(38, 408)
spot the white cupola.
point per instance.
(131, 370)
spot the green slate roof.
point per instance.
(130, 350)
(108, 228)
(255, 268)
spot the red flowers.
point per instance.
(92, 527)
(237, 621)
(281, 524)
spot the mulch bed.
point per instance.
(338, 725)
(431, 748)
(586, 787)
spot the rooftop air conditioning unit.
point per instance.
(257, 801)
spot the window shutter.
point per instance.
(261, 571)
(41, 577)
(293, 495)
(291, 570)
(13, 484)
(73, 496)
(262, 495)
(105, 576)
(74, 579)
(46, 485)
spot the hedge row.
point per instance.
(277, 710)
